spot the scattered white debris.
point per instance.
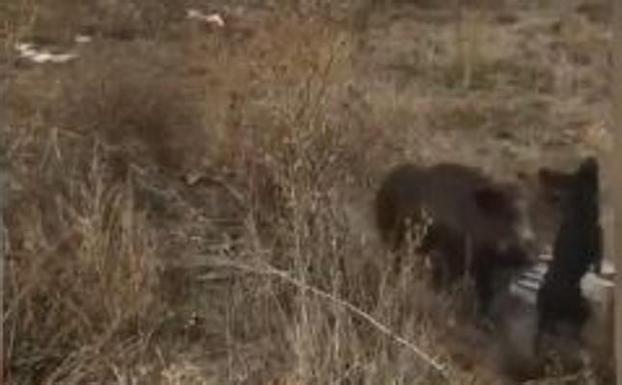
(83, 39)
(212, 18)
(27, 51)
(526, 285)
(546, 256)
(595, 288)
(193, 177)
(598, 136)
(44, 57)
(22, 47)
(608, 268)
(216, 19)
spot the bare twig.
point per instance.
(269, 270)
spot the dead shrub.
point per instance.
(81, 280)
(133, 99)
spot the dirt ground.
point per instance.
(190, 204)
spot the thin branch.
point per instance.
(269, 270)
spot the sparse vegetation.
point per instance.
(190, 205)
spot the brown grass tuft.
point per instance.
(81, 275)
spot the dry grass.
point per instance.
(81, 285)
(259, 264)
(46, 21)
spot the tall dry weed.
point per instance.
(80, 278)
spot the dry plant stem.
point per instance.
(567, 379)
(266, 269)
(3, 241)
(617, 183)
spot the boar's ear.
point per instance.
(491, 200)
